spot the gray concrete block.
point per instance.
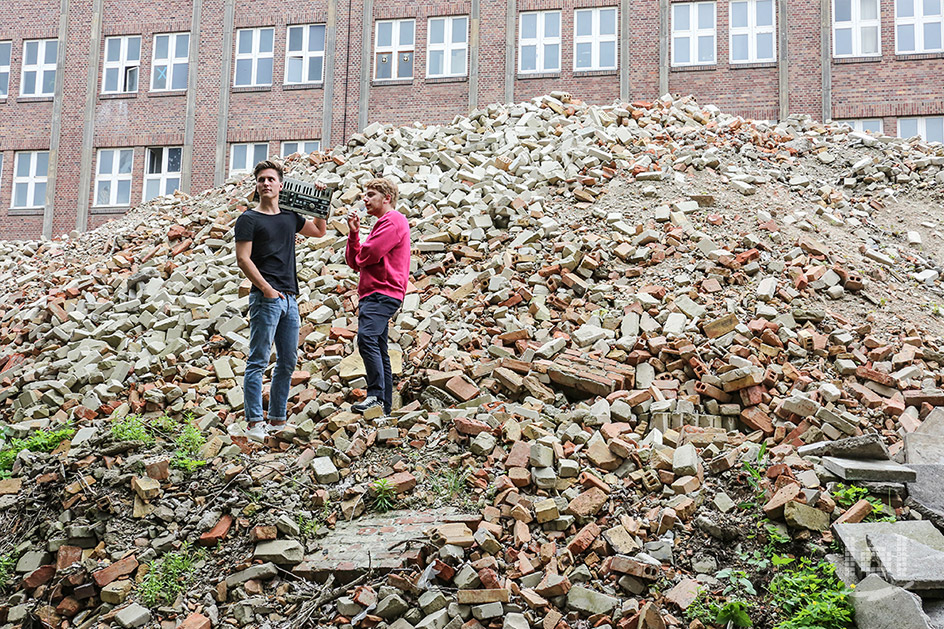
(868, 469)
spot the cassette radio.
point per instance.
(304, 198)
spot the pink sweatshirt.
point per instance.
(383, 260)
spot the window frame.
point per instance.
(447, 47)
(113, 177)
(305, 54)
(40, 67)
(171, 62)
(855, 24)
(251, 148)
(283, 153)
(922, 126)
(596, 39)
(31, 180)
(752, 31)
(540, 41)
(5, 69)
(856, 124)
(919, 22)
(255, 56)
(123, 65)
(693, 33)
(164, 175)
(395, 49)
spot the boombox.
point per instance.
(304, 198)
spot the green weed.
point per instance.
(734, 612)
(189, 443)
(847, 495)
(385, 495)
(169, 576)
(450, 484)
(38, 441)
(7, 564)
(737, 583)
(131, 428)
(811, 596)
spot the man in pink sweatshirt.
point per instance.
(383, 260)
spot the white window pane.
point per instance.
(243, 71)
(134, 49)
(739, 15)
(869, 9)
(905, 8)
(152, 188)
(584, 23)
(160, 77)
(51, 48)
(706, 15)
(239, 157)
(765, 12)
(39, 193)
(29, 82)
(265, 40)
(124, 192)
(31, 53)
(4, 83)
(113, 49)
(5, 54)
(552, 24)
(172, 184)
(42, 164)
(103, 193)
(404, 65)
(264, 71)
(932, 7)
(173, 160)
(932, 35)
(906, 37)
(935, 129)
(843, 11)
(552, 57)
(23, 164)
(288, 148)
(179, 80)
(608, 54)
(680, 48)
(20, 191)
(608, 22)
(124, 162)
(106, 162)
(155, 157)
(437, 31)
(316, 38)
(843, 41)
(245, 42)
(869, 40)
(584, 55)
(435, 62)
(294, 70)
(314, 69)
(706, 49)
(111, 79)
(529, 25)
(458, 62)
(873, 126)
(765, 46)
(161, 47)
(406, 32)
(458, 30)
(259, 153)
(131, 79)
(383, 64)
(183, 45)
(529, 58)
(49, 81)
(295, 36)
(385, 34)
(680, 17)
(739, 45)
(907, 127)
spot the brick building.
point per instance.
(105, 103)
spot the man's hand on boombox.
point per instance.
(353, 221)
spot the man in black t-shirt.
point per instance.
(265, 252)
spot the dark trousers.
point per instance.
(373, 318)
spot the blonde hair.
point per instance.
(385, 187)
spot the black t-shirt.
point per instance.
(273, 245)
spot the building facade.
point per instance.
(106, 103)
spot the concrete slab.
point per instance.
(854, 539)
(935, 611)
(925, 495)
(908, 563)
(921, 449)
(933, 424)
(868, 469)
(880, 605)
(376, 542)
(870, 446)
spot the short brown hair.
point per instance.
(385, 187)
(267, 163)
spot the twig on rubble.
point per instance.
(327, 595)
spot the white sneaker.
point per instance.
(257, 432)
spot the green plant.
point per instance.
(169, 576)
(775, 537)
(38, 441)
(738, 583)
(756, 559)
(811, 596)
(308, 526)
(450, 483)
(734, 611)
(385, 494)
(847, 495)
(189, 443)
(165, 424)
(131, 428)
(7, 564)
(700, 608)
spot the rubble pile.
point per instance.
(643, 346)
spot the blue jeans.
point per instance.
(270, 321)
(373, 317)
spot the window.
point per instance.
(243, 157)
(305, 147)
(162, 172)
(29, 179)
(929, 129)
(856, 28)
(304, 54)
(253, 57)
(693, 33)
(113, 177)
(171, 61)
(5, 48)
(539, 42)
(870, 125)
(752, 31)
(918, 26)
(595, 39)
(393, 50)
(447, 46)
(122, 58)
(39, 67)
